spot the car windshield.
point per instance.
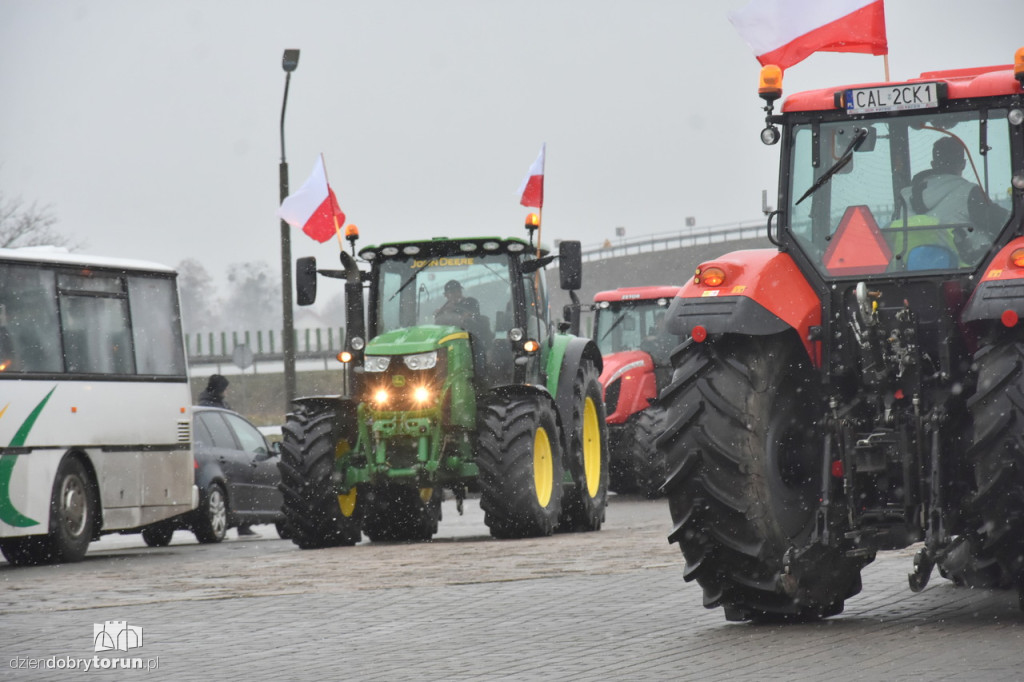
(909, 193)
(417, 290)
(625, 326)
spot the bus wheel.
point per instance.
(73, 504)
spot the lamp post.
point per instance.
(289, 62)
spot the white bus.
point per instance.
(95, 405)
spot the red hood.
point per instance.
(627, 362)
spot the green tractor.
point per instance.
(455, 378)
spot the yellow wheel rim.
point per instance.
(426, 494)
(543, 468)
(347, 503)
(591, 447)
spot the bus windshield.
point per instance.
(906, 193)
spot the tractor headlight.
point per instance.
(376, 363)
(421, 360)
(421, 394)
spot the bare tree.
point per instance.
(253, 299)
(32, 225)
(200, 307)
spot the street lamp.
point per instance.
(289, 62)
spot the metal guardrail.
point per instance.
(216, 348)
(674, 240)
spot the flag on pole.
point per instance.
(314, 208)
(532, 189)
(785, 32)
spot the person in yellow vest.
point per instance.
(941, 196)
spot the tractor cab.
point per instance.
(875, 190)
(490, 289)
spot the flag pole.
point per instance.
(540, 224)
(337, 227)
(885, 57)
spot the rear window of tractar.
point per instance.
(413, 290)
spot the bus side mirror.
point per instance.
(570, 265)
(305, 280)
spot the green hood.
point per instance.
(412, 340)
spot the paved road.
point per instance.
(595, 606)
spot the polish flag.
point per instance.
(532, 189)
(314, 207)
(785, 32)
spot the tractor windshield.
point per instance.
(472, 291)
(904, 193)
(628, 325)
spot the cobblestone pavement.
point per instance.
(594, 606)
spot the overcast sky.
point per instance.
(152, 128)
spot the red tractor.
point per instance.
(861, 386)
(629, 330)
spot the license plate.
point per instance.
(892, 98)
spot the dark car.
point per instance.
(237, 477)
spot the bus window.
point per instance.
(28, 320)
(157, 347)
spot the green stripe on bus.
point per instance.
(8, 514)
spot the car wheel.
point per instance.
(211, 524)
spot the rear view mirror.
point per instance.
(305, 280)
(570, 265)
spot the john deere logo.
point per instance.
(398, 380)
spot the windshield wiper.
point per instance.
(858, 138)
(412, 278)
(615, 324)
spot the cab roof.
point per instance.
(445, 246)
(982, 81)
(637, 293)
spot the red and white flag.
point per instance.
(532, 189)
(314, 207)
(784, 32)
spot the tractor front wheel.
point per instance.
(315, 513)
(645, 460)
(521, 468)
(587, 460)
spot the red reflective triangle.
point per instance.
(857, 247)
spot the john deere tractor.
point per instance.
(455, 379)
(861, 386)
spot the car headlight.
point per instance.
(421, 360)
(376, 363)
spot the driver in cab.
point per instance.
(941, 195)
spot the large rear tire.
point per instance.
(315, 513)
(401, 513)
(744, 460)
(587, 460)
(997, 456)
(73, 521)
(521, 470)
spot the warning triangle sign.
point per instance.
(857, 247)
